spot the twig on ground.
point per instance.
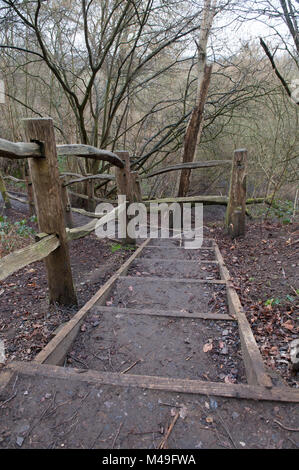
(116, 435)
(285, 427)
(8, 399)
(131, 367)
(163, 443)
(79, 360)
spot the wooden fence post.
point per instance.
(124, 183)
(68, 218)
(48, 203)
(30, 195)
(91, 203)
(136, 188)
(3, 191)
(236, 207)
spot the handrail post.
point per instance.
(49, 208)
(236, 207)
(66, 204)
(125, 185)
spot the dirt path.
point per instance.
(123, 337)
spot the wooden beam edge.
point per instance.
(188, 386)
(174, 279)
(254, 364)
(164, 313)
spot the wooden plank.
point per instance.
(208, 248)
(80, 232)
(33, 150)
(89, 178)
(12, 178)
(50, 214)
(199, 387)
(20, 150)
(92, 215)
(15, 198)
(189, 166)
(97, 199)
(222, 200)
(174, 279)
(56, 350)
(87, 151)
(30, 254)
(254, 365)
(173, 260)
(162, 313)
(224, 273)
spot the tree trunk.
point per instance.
(192, 133)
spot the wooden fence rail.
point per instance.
(51, 202)
(188, 166)
(47, 244)
(35, 150)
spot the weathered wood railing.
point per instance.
(41, 151)
(47, 244)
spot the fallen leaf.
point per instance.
(207, 347)
(183, 412)
(288, 325)
(228, 379)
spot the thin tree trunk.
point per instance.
(193, 132)
(195, 125)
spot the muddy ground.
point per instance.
(57, 414)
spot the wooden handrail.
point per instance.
(190, 166)
(19, 150)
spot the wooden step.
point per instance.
(174, 279)
(161, 313)
(254, 392)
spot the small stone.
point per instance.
(187, 341)
(199, 445)
(108, 404)
(225, 332)
(224, 350)
(19, 441)
(213, 404)
(48, 395)
(235, 415)
(242, 443)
